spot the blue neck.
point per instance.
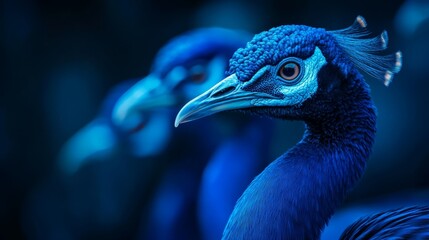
(232, 167)
(294, 197)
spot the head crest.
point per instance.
(363, 52)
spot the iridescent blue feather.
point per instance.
(363, 51)
(402, 223)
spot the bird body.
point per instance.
(309, 74)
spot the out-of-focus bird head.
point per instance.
(136, 116)
(187, 66)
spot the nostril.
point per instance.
(223, 91)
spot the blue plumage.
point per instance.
(229, 171)
(270, 47)
(347, 215)
(307, 74)
(346, 49)
(402, 223)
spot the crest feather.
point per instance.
(365, 52)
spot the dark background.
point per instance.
(61, 58)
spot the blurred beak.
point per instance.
(88, 144)
(146, 95)
(226, 95)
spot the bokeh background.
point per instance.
(60, 58)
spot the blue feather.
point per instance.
(362, 52)
(230, 170)
(403, 223)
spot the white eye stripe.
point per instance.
(294, 93)
(300, 91)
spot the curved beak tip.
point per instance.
(145, 95)
(176, 122)
(180, 117)
(205, 104)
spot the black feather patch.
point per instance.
(402, 223)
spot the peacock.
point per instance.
(132, 137)
(297, 72)
(186, 66)
(101, 138)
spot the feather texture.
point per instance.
(403, 223)
(363, 51)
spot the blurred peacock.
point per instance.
(184, 69)
(131, 142)
(201, 173)
(297, 72)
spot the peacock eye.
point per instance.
(289, 71)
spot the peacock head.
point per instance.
(297, 72)
(187, 66)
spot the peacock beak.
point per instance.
(146, 95)
(226, 95)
